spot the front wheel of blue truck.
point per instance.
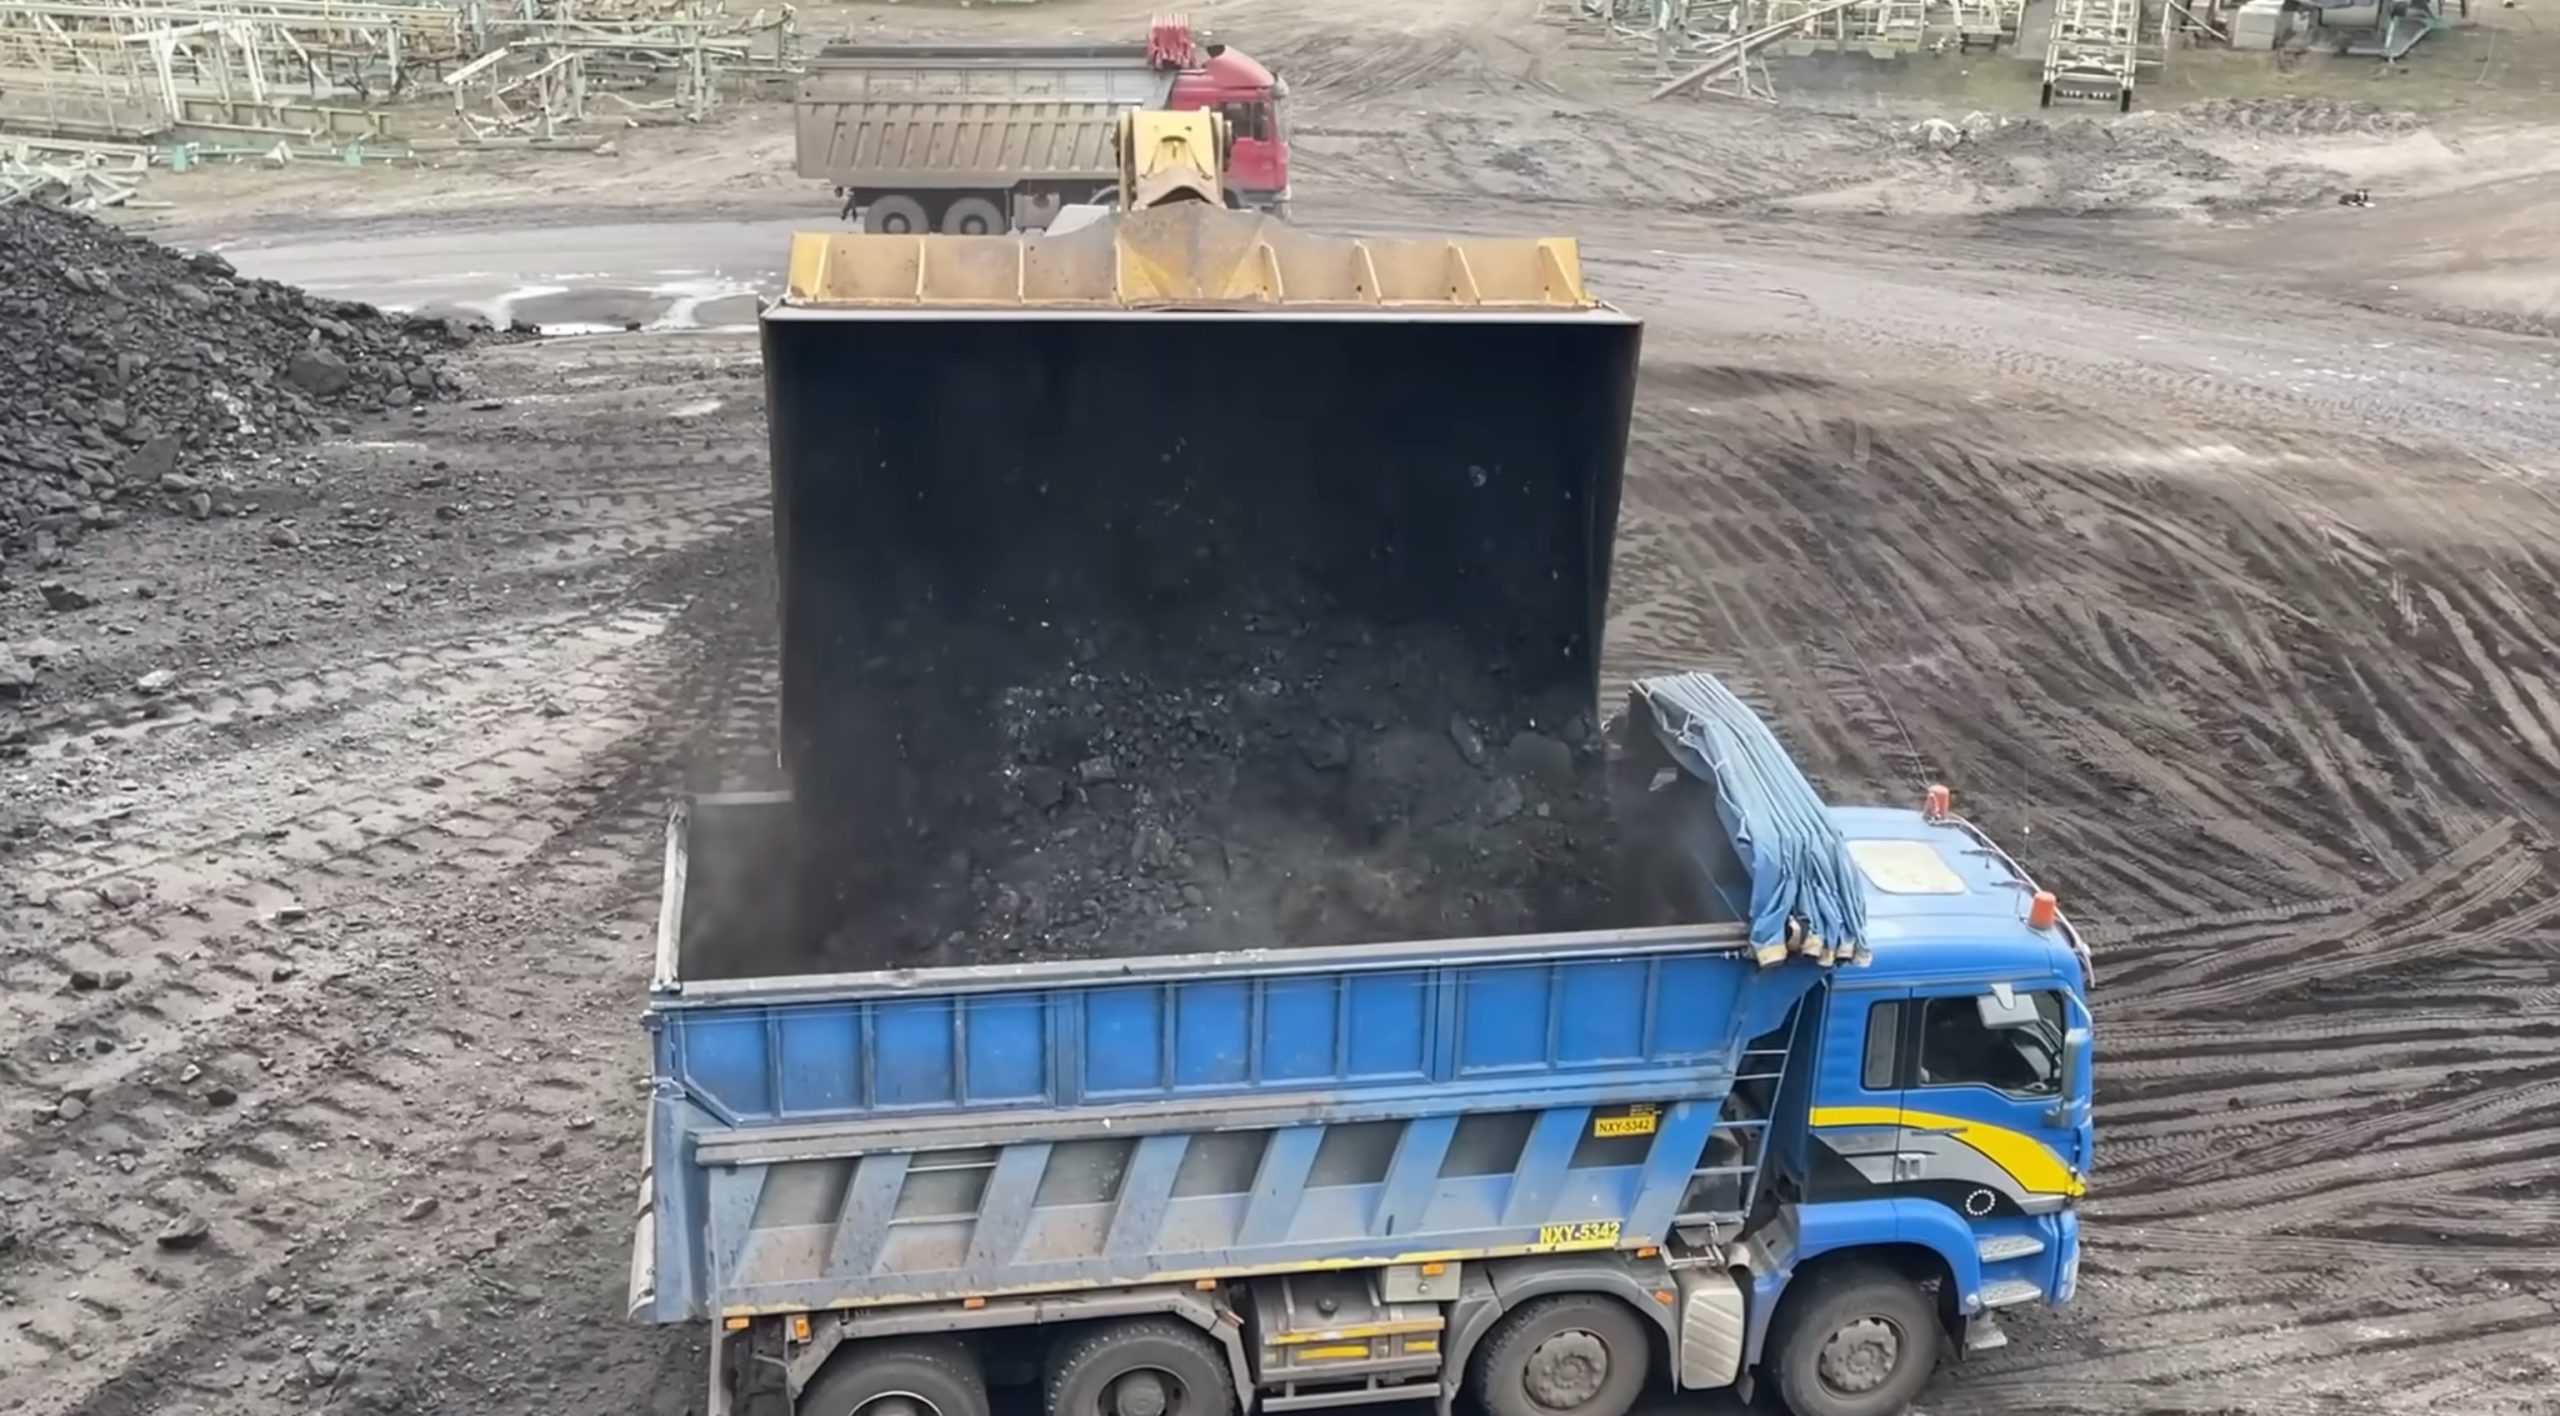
(898, 1378)
(1576, 1354)
(1853, 1341)
(1141, 1367)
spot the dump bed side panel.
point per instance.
(977, 144)
(892, 1148)
(923, 120)
(1453, 1031)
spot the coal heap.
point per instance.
(128, 370)
(1277, 782)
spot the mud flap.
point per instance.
(750, 1370)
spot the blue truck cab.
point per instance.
(1947, 1126)
(1536, 1170)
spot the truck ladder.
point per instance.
(1726, 1185)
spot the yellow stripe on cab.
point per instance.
(2027, 1160)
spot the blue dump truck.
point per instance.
(1216, 953)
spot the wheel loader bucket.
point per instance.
(992, 453)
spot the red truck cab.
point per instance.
(1252, 100)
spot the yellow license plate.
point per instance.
(1638, 1121)
(1591, 1232)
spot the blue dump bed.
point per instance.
(857, 1139)
(867, 1140)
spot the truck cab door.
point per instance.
(1854, 1149)
(1995, 1123)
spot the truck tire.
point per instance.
(898, 1377)
(1575, 1353)
(974, 216)
(1854, 1342)
(1142, 1367)
(895, 216)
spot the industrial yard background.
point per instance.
(2175, 482)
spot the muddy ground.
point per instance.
(2202, 539)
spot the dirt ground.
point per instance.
(2198, 529)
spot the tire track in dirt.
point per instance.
(2372, 1169)
(215, 965)
(1924, 591)
(412, 979)
(215, 869)
(453, 1102)
(1767, 483)
(2408, 921)
(78, 726)
(2270, 736)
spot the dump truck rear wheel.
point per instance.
(1146, 1367)
(898, 1378)
(1578, 1353)
(895, 216)
(1854, 1342)
(973, 216)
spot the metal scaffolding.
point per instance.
(550, 74)
(1671, 34)
(332, 73)
(2095, 52)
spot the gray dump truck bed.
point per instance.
(969, 116)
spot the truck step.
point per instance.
(1984, 1334)
(2010, 1292)
(2008, 1246)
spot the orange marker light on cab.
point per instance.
(2043, 911)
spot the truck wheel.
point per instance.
(895, 216)
(1578, 1353)
(1856, 1342)
(901, 1377)
(974, 216)
(1144, 1367)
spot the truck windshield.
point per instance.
(1958, 1049)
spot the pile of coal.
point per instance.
(1254, 782)
(131, 373)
